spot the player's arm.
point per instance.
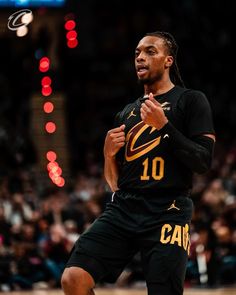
(196, 153)
(114, 141)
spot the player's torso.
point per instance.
(147, 162)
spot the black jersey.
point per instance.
(147, 164)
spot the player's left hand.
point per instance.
(152, 113)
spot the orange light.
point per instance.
(51, 156)
(50, 127)
(56, 174)
(58, 171)
(55, 179)
(51, 165)
(61, 182)
(48, 107)
(51, 175)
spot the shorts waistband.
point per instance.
(166, 194)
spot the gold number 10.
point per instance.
(157, 175)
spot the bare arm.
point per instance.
(115, 139)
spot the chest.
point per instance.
(173, 112)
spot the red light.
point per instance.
(46, 81)
(48, 107)
(55, 173)
(44, 60)
(43, 69)
(58, 171)
(51, 156)
(50, 127)
(72, 43)
(70, 25)
(52, 176)
(60, 181)
(51, 165)
(44, 64)
(46, 90)
(71, 35)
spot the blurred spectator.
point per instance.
(55, 250)
(27, 268)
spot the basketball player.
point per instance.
(158, 142)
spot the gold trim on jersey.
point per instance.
(132, 152)
(176, 234)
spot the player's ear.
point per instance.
(169, 61)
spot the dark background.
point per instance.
(98, 76)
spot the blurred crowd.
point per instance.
(38, 226)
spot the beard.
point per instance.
(144, 81)
(150, 80)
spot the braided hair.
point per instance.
(172, 47)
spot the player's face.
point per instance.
(151, 59)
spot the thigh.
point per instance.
(164, 250)
(103, 250)
(164, 269)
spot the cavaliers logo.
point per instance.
(13, 20)
(132, 151)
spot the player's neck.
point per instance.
(158, 88)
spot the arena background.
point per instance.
(44, 208)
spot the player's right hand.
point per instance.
(115, 139)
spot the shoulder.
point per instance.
(194, 98)
(126, 110)
(193, 94)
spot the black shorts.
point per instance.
(157, 227)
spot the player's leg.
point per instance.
(77, 281)
(100, 253)
(164, 249)
(165, 270)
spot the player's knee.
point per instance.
(75, 278)
(68, 279)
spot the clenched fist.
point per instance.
(152, 113)
(115, 139)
